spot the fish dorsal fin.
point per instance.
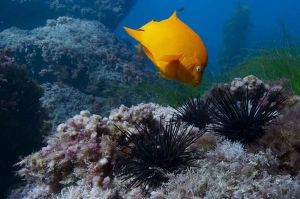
(169, 58)
(174, 15)
(136, 34)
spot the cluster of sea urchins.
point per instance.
(237, 115)
(156, 151)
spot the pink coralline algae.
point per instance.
(79, 150)
(84, 147)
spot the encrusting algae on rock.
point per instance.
(79, 160)
(283, 137)
(229, 171)
(85, 147)
(79, 150)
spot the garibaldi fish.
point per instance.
(174, 48)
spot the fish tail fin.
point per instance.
(136, 34)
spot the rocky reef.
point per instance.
(283, 138)
(229, 171)
(22, 117)
(110, 13)
(75, 52)
(82, 60)
(85, 147)
(57, 101)
(81, 158)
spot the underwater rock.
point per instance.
(283, 138)
(80, 53)
(30, 190)
(110, 13)
(82, 190)
(253, 84)
(83, 152)
(84, 147)
(58, 103)
(22, 118)
(294, 100)
(83, 55)
(229, 171)
(124, 117)
(250, 81)
(78, 190)
(79, 149)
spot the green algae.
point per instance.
(272, 64)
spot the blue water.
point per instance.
(207, 18)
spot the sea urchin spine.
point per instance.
(156, 151)
(193, 112)
(242, 117)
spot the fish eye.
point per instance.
(198, 69)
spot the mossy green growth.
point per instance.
(166, 92)
(272, 64)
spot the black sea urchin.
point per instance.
(243, 116)
(155, 152)
(193, 112)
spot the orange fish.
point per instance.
(175, 49)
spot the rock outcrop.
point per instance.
(85, 62)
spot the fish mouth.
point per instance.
(198, 79)
(196, 83)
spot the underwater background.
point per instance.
(261, 24)
(78, 97)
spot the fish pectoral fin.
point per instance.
(170, 58)
(136, 34)
(149, 54)
(163, 75)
